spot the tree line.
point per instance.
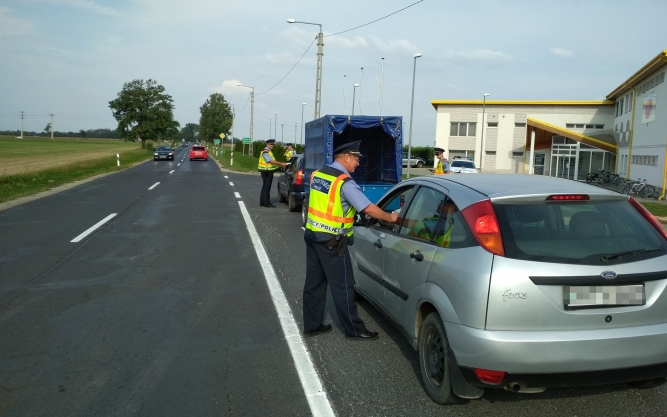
(88, 133)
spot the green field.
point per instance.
(242, 163)
(30, 166)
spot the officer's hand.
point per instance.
(393, 217)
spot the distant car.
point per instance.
(183, 145)
(415, 161)
(198, 152)
(521, 282)
(290, 184)
(163, 152)
(463, 166)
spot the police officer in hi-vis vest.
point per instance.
(267, 165)
(289, 152)
(334, 200)
(443, 164)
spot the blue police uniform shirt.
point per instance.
(445, 165)
(350, 193)
(266, 156)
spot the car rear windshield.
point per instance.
(584, 233)
(463, 164)
(198, 148)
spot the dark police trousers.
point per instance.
(324, 266)
(265, 194)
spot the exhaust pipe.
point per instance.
(517, 387)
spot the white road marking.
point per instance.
(310, 381)
(226, 176)
(303, 228)
(237, 195)
(172, 171)
(179, 164)
(95, 226)
(231, 183)
(154, 185)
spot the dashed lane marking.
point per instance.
(172, 171)
(231, 183)
(237, 195)
(310, 381)
(154, 185)
(93, 228)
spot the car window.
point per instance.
(422, 216)
(198, 148)
(577, 233)
(163, 148)
(393, 204)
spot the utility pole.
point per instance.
(51, 126)
(282, 132)
(381, 76)
(231, 162)
(21, 124)
(295, 133)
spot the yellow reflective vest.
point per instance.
(289, 154)
(263, 165)
(325, 208)
(424, 227)
(439, 169)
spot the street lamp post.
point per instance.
(361, 88)
(412, 106)
(354, 92)
(252, 112)
(282, 132)
(301, 138)
(318, 77)
(270, 121)
(231, 153)
(275, 127)
(481, 154)
(381, 76)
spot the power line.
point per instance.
(376, 20)
(288, 72)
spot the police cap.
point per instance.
(270, 141)
(439, 150)
(288, 144)
(351, 148)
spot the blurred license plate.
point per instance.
(576, 297)
(163, 156)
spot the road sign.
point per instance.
(216, 141)
(246, 140)
(222, 136)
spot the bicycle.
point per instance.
(605, 177)
(638, 188)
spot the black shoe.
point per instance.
(270, 205)
(367, 335)
(324, 328)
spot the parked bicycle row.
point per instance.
(637, 187)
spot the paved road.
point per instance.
(164, 311)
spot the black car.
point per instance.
(290, 184)
(163, 152)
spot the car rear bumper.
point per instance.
(557, 352)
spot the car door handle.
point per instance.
(378, 244)
(417, 256)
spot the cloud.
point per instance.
(231, 88)
(372, 42)
(13, 26)
(558, 51)
(86, 5)
(478, 56)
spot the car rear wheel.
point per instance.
(420, 164)
(434, 361)
(304, 211)
(281, 197)
(291, 204)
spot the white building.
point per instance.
(627, 133)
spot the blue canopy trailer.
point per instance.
(381, 138)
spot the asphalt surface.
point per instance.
(164, 311)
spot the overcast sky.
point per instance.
(71, 57)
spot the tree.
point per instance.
(82, 133)
(189, 132)
(216, 117)
(47, 129)
(144, 111)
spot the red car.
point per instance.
(198, 152)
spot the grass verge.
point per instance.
(656, 209)
(242, 163)
(14, 186)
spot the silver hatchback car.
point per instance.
(521, 282)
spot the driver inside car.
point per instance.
(437, 228)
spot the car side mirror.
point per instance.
(361, 219)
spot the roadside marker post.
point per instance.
(117, 160)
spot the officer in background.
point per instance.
(267, 165)
(334, 200)
(290, 152)
(443, 164)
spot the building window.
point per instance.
(490, 152)
(492, 124)
(620, 108)
(517, 153)
(629, 102)
(462, 129)
(519, 125)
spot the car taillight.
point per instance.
(298, 178)
(648, 216)
(482, 220)
(568, 197)
(489, 377)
